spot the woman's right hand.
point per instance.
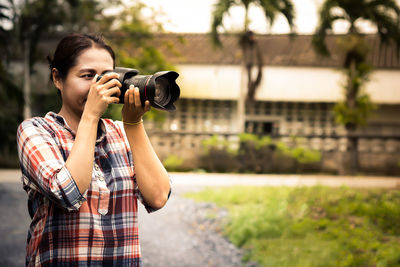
(102, 93)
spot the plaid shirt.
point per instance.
(99, 227)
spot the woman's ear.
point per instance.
(56, 79)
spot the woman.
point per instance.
(83, 174)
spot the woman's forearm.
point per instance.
(80, 160)
(151, 176)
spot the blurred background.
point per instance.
(307, 86)
(272, 87)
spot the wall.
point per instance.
(196, 120)
(295, 84)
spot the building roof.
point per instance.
(277, 50)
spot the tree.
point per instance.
(23, 24)
(10, 95)
(251, 52)
(31, 20)
(132, 38)
(385, 15)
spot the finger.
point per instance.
(112, 100)
(107, 77)
(131, 96)
(115, 91)
(126, 97)
(147, 106)
(112, 83)
(137, 97)
(95, 78)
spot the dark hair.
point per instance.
(70, 48)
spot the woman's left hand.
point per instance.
(132, 112)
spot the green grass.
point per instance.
(311, 226)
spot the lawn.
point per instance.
(311, 226)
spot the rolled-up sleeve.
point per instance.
(43, 166)
(139, 196)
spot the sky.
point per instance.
(195, 16)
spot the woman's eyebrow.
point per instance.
(93, 71)
(87, 70)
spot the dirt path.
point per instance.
(214, 179)
(182, 234)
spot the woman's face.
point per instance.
(75, 88)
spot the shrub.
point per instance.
(257, 155)
(216, 142)
(173, 163)
(303, 155)
(218, 155)
(263, 155)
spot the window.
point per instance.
(262, 128)
(267, 127)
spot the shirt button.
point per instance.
(96, 168)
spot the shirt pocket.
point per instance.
(100, 191)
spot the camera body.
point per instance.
(160, 88)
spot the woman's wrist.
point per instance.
(133, 123)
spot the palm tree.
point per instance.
(385, 15)
(247, 41)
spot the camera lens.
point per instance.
(162, 91)
(160, 88)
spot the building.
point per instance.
(296, 97)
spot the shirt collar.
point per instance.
(101, 128)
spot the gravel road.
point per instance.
(183, 234)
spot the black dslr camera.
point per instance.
(160, 88)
